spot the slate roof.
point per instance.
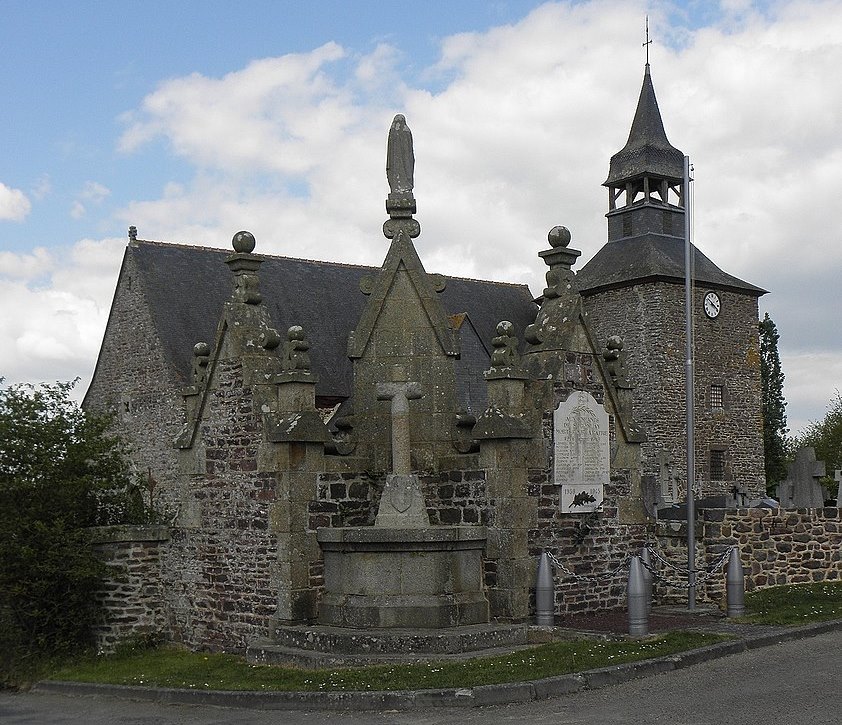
(186, 287)
(651, 257)
(648, 151)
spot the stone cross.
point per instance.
(837, 475)
(400, 394)
(802, 489)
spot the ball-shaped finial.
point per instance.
(201, 349)
(506, 328)
(559, 237)
(243, 242)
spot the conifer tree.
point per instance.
(775, 442)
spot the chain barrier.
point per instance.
(701, 576)
(698, 579)
(668, 564)
(584, 577)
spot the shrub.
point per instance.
(60, 473)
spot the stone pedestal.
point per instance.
(377, 577)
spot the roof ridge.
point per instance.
(346, 265)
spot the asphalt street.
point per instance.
(797, 681)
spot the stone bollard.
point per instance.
(736, 586)
(544, 593)
(646, 562)
(638, 614)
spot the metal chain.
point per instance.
(701, 578)
(723, 557)
(584, 577)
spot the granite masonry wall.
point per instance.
(777, 547)
(135, 383)
(132, 598)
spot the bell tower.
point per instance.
(633, 287)
(645, 177)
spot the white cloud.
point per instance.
(811, 379)
(516, 138)
(14, 205)
(93, 193)
(66, 310)
(42, 188)
(26, 266)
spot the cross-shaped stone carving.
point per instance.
(400, 394)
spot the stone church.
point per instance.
(372, 448)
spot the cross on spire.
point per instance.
(648, 40)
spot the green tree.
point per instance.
(826, 437)
(60, 473)
(775, 441)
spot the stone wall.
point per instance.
(135, 383)
(132, 598)
(650, 319)
(777, 547)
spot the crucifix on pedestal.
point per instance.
(402, 503)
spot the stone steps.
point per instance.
(321, 646)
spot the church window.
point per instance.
(717, 464)
(717, 396)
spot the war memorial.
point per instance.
(354, 463)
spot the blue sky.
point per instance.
(192, 120)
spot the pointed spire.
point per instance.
(647, 151)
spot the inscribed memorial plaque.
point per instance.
(581, 452)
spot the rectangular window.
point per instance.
(717, 465)
(716, 396)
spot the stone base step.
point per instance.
(321, 646)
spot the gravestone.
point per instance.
(837, 475)
(581, 451)
(802, 489)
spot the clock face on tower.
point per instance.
(712, 305)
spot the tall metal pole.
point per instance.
(690, 393)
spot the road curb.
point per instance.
(504, 693)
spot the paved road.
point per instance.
(793, 682)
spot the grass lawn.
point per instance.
(795, 604)
(172, 667)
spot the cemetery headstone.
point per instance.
(802, 489)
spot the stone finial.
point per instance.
(295, 356)
(244, 266)
(560, 259)
(615, 361)
(505, 354)
(243, 242)
(132, 233)
(505, 358)
(201, 358)
(559, 237)
(269, 339)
